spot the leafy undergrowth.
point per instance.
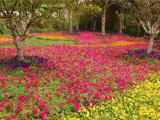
(139, 103)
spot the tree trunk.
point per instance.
(19, 43)
(77, 25)
(94, 25)
(86, 26)
(150, 47)
(103, 22)
(138, 29)
(70, 22)
(120, 23)
(78, 21)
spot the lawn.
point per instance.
(40, 42)
(63, 74)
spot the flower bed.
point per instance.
(141, 102)
(5, 40)
(49, 36)
(70, 77)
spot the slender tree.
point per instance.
(104, 4)
(19, 16)
(73, 7)
(148, 13)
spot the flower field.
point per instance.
(58, 79)
(141, 102)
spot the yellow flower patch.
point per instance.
(53, 37)
(5, 39)
(124, 43)
(115, 44)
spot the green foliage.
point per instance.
(91, 9)
(21, 15)
(58, 23)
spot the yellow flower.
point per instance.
(53, 37)
(5, 39)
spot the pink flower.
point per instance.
(42, 105)
(108, 89)
(37, 99)
(76, 106)
(28, 85)
(3, 78)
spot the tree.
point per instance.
(19, 17)
(104, 4)
(93, 11)
(73, 7)
(148, 13)
(121, 13)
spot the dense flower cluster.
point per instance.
(5, 40)
(71, 76)
(141, 102)
(49, 36)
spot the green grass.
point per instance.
(41, 42)
(17, 72)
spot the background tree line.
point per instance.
(136, 17)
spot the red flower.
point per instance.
(3, 78)
(96, 96)
(43, 114)
(107, 97)
(19, 107)
(35, 110)
(9, 106)
(22, 99)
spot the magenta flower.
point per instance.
(108, 89)
(35, 110)
(76, 106)
(22, 99)
(42, 105)
(37, 99)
